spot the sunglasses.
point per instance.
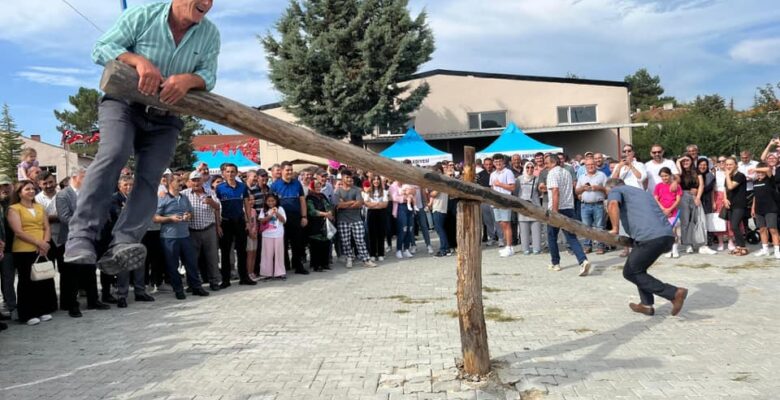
(721, 161)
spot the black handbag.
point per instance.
(724, 213)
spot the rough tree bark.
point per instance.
(121, 81)
(473, 333)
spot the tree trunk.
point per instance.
(473, 332)
(121, 81)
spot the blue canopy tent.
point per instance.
(514, 141)
(214, 160)
(414, 148)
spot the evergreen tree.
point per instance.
(83, 120)
(646, 90)
(766, 99)
(10, 144)
(710, 105)
(184, 155)
(339, 63)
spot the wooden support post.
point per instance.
(121, 81)
(473, 333)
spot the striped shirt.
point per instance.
(144, 30)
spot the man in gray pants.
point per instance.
(205, 228)
(174, 49)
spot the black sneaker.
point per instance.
(200, 292)
(122, 257)
(122, 303)
(144, 297)
(214, 287)
(301, 272)
(75, 312)
(3, 326)
(249, 283)
(99, 305)
(224, 285)
(181, 295)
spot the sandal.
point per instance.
(739, 251)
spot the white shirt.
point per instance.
(504, 176)
(653, 169)
(50, 206)
(275, 228)
(720, 181)
(561, 179)
(627, 175)
(748, 169)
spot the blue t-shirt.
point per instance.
(232, 199)
(168, 206)
(289, 194)
(640, 214)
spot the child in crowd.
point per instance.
(765, 210)
(29, 159)
(669, 200)
(272, 218)
(251, 243)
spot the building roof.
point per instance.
(496, 132)
(489, 75)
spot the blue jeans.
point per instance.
(182, 249)
(593, 216)
(422, 220)
(405, 228)
(571, 239)
(438, 225)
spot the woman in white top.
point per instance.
(527, 188)
(721, 231)
(272, 218)
(376, 200)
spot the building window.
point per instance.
(576, 114)
(487, 120)
(385, 130)
(50, 168)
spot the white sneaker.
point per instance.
(777, 254)
(585, 268)
(46, 317)
(372, 258)
(689, 250)
(555, 267)
(731, 245)
(413, 249)
(33, 321)
(399, 255)
(381, 258)
(407, 254)
(762, 253)
(500, 243)
(388, 249)
(720, 246)
(707, 250)
(369, 264)
(668, 255)
(349, 263)
(503, 252)
(675, 254)
(490, 243)
(430, 250)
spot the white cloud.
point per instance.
(62, 70)
(757, 51)
(60, 76)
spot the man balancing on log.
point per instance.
(174, 50)
(644, 221)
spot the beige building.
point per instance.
(55, 159)
(472, 108)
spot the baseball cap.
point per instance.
(262, 172)
(195, 175)
(5, 180)
(167, 172)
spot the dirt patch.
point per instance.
(583, 330)
(404, 299)
(697, 266)
(402, 311)
(497, 314)
(533, 394)
(448, 313)
(742, 377)
(504, 274)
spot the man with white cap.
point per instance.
(205, 220)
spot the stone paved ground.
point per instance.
(386, 334)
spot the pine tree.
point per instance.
(339, 63)
(184, 155)
(10, 144)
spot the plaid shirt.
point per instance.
(202, 213)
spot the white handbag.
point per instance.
(42, 270)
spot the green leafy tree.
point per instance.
(765, 100)
(184, 155)
(710, 105)
(84, 118)
(646, 90)
(339, 64)
(11, 144)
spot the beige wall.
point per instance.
(529, 104)
(51, 155)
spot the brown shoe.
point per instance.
(679, 299)
(642, 309)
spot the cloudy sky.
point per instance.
(727, 47)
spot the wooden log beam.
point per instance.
(473, 332)
(121, 81)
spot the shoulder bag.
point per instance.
(42, 270)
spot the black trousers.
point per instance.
(377, 221)
(293, 239)
(319, 253)
(74, 277)
(233, 235)
(155, 259)
(738, 221)
(642, 256)
(33, 299)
